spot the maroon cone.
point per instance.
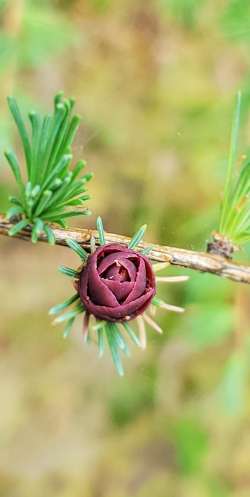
(117, 284)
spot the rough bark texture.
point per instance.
(198, 261)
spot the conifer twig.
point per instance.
(198, 261)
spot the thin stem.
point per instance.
(198, 261)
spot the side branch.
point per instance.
(199, 261)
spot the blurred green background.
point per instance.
(155, 82)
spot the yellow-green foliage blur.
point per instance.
(155, 82)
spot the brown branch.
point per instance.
(199, 261)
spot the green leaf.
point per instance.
(55, 215)
(14, 211)
(22, 131)
(87, 177)
(235, 212)
(14, 164)
(53, 136)
(137, 237)
(36, 230)
(50, 234)
(242, 186)
(131, 334)
(242, 237)
(69, 315)
(80, 165)
(114, 351)
(43, 203)
(62, 192)
(156, 301)
(28, 189)
(169, 307)
(146, 251)
(36, 190)
(68, 327)
(75, 202)
(60, 307)
(100, 230)
(74, 125)
(60, 124)
(18, 227)
(77, 249)
(67, 191)
(68, 271)
(61, 165)
(51, 187)
(119, 339)
(36, 124)
(231, 162)
(15, 201)
(101, 341)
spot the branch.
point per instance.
(199, 261)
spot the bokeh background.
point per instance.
(155, 82)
